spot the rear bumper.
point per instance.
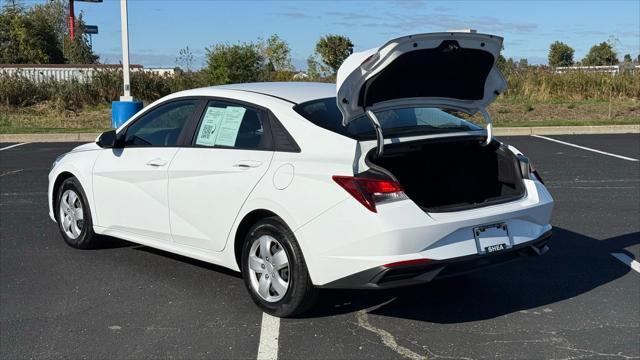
(383, 277)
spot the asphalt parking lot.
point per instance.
(130, 301)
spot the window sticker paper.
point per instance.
(210, 126)
(230, 126)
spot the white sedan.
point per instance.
(373, 183)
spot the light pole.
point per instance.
(125, 52)
(123, 110)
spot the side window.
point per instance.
(232, 126)
(161, 126)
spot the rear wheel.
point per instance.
(73, 215)
(274, 270)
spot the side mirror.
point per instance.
(107, 139)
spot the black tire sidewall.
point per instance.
(299, 283)
(84, 240)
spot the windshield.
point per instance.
(398, 122)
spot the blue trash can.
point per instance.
(121, 111)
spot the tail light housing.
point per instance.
(370, 192)
(535, 173)
(527, 169)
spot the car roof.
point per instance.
(294, 92)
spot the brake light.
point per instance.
(371, 191)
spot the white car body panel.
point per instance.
(402, 231)
(130, 194)
(207, 188)
(359, 67)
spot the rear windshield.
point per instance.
(399, 122)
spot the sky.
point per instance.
(158, 29)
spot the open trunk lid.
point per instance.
(452, 70)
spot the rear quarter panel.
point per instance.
(310, 190)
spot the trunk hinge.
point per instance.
(378, 129)
(488, 120)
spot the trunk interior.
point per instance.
(453, 174)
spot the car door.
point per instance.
(231, 150)
(130, 181)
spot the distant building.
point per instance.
(60, 72)
(160, 71)
(301, 75)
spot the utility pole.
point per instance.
(72, 22)
(125, 52)
(123, 110)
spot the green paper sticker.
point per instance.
(210, 126)
(230, 126)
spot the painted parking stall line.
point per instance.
(269, 332)
(633, 264)
(12, 146)
(585, 148)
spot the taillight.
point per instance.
(527, 169)
(535, 173)
(371, 191)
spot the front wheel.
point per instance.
(274, 270)
(73, 215)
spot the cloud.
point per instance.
(297, 15)
(406, 19)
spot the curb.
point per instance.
(499, 131)
(53, 137)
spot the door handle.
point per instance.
(157, 162)
(247, 164)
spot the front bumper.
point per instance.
(383, 277)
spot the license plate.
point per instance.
(492, 238)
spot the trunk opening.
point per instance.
(453, 174)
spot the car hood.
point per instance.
(86, 147)
(452, 70)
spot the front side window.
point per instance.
(397, 122)
(231, 126)
(161, 126)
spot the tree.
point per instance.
(560, 54)
(277, 52)
(601, 54)
(313, 68)
(501, 62)
(523, 63)
(627, 59)
(226, 64)
(39, 35)
(333, 50)
(184, 60)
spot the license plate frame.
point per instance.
(492, 238)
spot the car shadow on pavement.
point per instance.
(107, 242)
(575, 264)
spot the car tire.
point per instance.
(73, 215)
(264, 274)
